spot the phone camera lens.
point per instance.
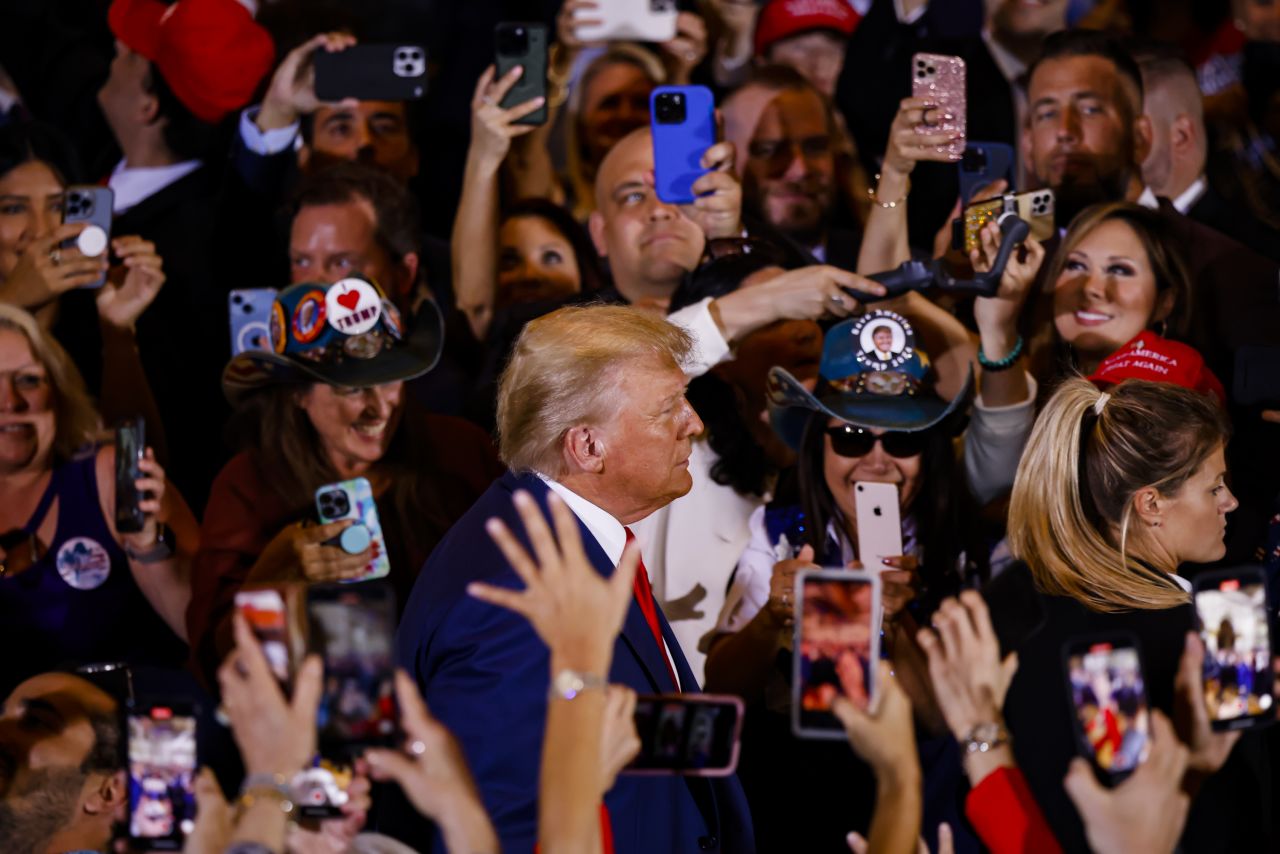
(669, 108)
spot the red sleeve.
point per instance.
(239, 520)
(1005, 814)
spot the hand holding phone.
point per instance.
(353, 499)
(1237, 675)
(940, 80)
(837, 646)
(879, 522)
(692, 734)
(1109, 703)
(274, 615)
(131, 446)
(162, 769)
(629, 20)
(372, 72)
(523, 45)
(91, 205)
(683, 125)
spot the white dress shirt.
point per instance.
(134, 185)
(609, 533)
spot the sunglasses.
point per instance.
(850, 441)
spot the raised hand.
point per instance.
(492, 127)
(132, 286)
(292, 93)
(717, 208)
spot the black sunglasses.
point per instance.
(850, 441)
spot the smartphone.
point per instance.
(693, 734)
(372, 72)
(249, 318)
(274, 615)
(1257, 375)
(321, 790)
(1109, 703)
(879, 524)
(629, 20)
(353, 499)
(92, 205)
(1035, 206)
(162, 770)
(524, 45)
(1231, 607)
(131, 445)
(982, 163)
(940, 80)
(837, 647)
(683, 120)
(352, 628)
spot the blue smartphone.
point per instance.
(982, 163)
(683, 120)
(353, 499)
(249, 314)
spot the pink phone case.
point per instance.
(940, 80)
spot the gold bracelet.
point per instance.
(871, 193)
(262, 792)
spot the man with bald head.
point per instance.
(1175, 167)
(651, 245)
(62, 782)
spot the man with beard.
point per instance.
(784, 134)
(62, 783)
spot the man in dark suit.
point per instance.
(1175, 167)
(592, 407)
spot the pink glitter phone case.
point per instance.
(940, 80)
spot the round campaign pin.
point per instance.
(278, 328)
(92, 241)
(355, 539)
(308, 317)
(885, 340)
(353, 306)
(83, 563)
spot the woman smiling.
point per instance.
(325, 406)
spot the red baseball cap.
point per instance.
(1150, 357)
(782, 18)
(211, 53)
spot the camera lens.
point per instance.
(669, 108)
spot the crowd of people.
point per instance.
(451, 382)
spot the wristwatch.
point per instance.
(984, 737)
(568, 684)
(161, 549)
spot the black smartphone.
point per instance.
(1231, 607)
(162, 771)
(692, 734)
(1109, 703)
(131, 444)
(92, 205)
(352, 627)
(525, 45)
(982, 163)
(372, 72)
(837, 647)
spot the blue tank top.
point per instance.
(79, 602)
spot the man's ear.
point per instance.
(1142, 135)
(595, 224)
(584, 450)
(406, 277)
(105, 795)
(1182, 135)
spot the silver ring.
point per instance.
(487, 100)
(838, 299)
(417, 748)
(55, 256)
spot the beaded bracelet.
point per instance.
(871, 193)
(1001, 364)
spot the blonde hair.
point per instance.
(77, 421)
(619, 53)
(1088, 455)
(562, 374)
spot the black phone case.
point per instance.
(129, 519)
(1256, 575)
(533, 83)
(180, 707)
(87, 203)
(372, 72)
(1107, 778)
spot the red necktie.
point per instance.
(644, 598)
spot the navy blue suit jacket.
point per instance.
(485, 673)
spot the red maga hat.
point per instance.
(211, 53)
(1150, 357)
(782, 18)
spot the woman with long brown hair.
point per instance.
(327, 406)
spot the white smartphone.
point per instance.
(879, 523)
(629, 20)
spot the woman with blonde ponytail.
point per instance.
(1116, 492)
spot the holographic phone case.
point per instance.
(940, 80)
(353, 499)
